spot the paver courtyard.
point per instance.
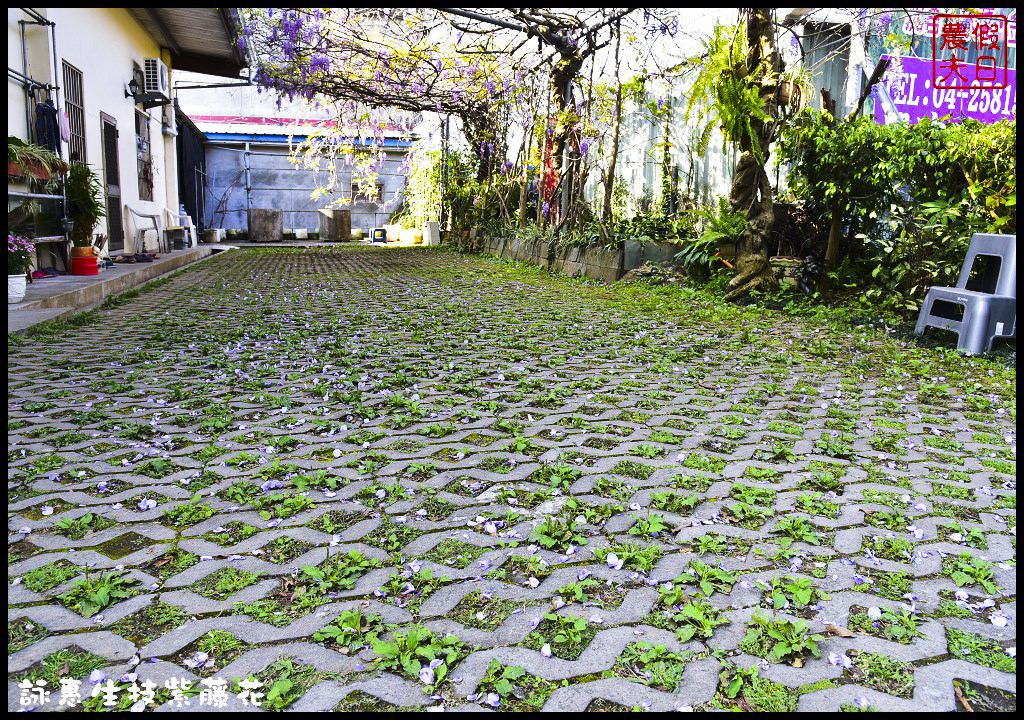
(287, 463)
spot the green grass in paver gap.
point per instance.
(78, 527)
(481, 610)
(518, 569)
(286, 680)
(97, 590)
(742, 689)
(242, 493)
(970, 536)
(976, 697)
(276, 344)
(156, 468)
(966, 570)
(211, 652)
(392, 537)
(71, 662)
(172, 562)
(882, 673)
(978, 649)
(283, 549)
(704, 463)
(817, 504)
(200, 481)
(224, 582)
(351, 631)
(209, 452)
(594, 592)
(23, 632)
(613, 488)
(780, 639)
(518, 496)
(361, 702)
(958, 511)
(715, 544)
(454, 553)
(891, 585)
(188, 513)
(897, 625)
(282, 505)
(151, 622)
(298, 596)
(651, 665)
(567, 635)
(335, 521)
(631, 555)
(688, 618)
(516, 689)
(230, 534)
(50, 575)
(408, 589)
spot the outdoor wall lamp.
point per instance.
(133, 86)
(139, 94)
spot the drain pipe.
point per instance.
(248, 186)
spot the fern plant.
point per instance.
(724, 227)
(724, 79)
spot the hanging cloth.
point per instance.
(46, 126)
(65, 126)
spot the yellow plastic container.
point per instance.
(357, 233)
(417, 238)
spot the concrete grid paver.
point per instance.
(382, 385)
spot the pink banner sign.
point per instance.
(910, 84)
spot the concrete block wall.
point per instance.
(597, 263)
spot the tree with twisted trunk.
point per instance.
(740, 86)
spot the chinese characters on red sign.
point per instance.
(952, 39)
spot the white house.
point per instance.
(108, 75)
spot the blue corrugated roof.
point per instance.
(283, 139)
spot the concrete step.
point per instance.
(21, 319)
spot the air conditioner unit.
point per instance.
(156, 78)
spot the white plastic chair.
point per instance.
(158, 227)
(183, 221)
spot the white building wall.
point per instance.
(103, 43)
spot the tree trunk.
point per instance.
(562, 76)
(609, 184)
(834, 234)
(835, 204)
(609, 178)
(526, 175)
(751, 191)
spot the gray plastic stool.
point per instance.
(988, 310)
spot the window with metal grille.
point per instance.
(75, 107)
(145, 155)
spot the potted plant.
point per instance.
(85, 208)
(19, 261)
(25, 160)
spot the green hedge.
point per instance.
(911, 197)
